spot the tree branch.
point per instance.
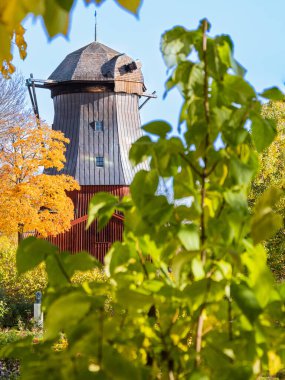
(62, 268)
(141, 259)
(207, 138)
(210, 171)
(190, 164)
(199, 331)
(230, 318)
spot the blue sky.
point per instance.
(256, 27)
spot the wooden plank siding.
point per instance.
(129, 130)
(92, 241)
(75, 116)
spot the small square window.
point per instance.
(100, 162)
(99, 126)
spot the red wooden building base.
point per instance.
(78, 238)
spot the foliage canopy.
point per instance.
(214, 316)
(271, 173)
(30, 200)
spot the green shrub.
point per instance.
(14, 286)
(17, 293)
(3, 309)
(93, 275)
(10, 368)
(18, 313)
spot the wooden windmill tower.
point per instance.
(96, 93)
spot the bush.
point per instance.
(11, 336)
(3, 309)
(13, 285)
(17, 293)
(93, 275)
(9, 368)
(18, 313)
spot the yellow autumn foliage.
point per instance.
(271, 174)
(272, 161)
(30, 200)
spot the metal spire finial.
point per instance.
(95, 26)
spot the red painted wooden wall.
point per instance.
(78, 238)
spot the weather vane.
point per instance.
(95, 14)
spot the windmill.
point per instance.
(96, 92)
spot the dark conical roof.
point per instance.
(84, 63)
(97, 62)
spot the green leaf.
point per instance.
(197, 375)
(31, 252)
(183, 183)
(61, 266)
(196, 293)
(144, 186)
(157, 210)
(57, 274)
(263, 132)
(134, 299)
(243, 172)
(81, 261)
(224, 49)
(273, 93)
(180, 262)
(56, 18)
(246, 300)
(65, 313)
(198, 268)
(237, 90)
(140, 150)
(175, 45)
(117, 258)
(265, 228)
(120, 367)
(238, 68)
(260, 276)
(153, 286)
(265, 223)
(130, 5)
(65, 4)
(158, 127)
(268, 200)
(188, 234)
(166, 156)
(236, 198)
(102, 206)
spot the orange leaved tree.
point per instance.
(30, 199)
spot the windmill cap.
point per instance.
(99, 63)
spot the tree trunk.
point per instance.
(20, 232)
